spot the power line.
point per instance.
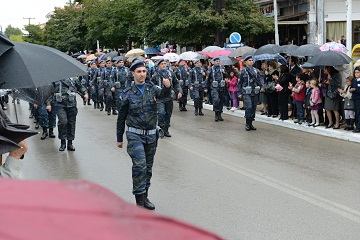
(29, 18)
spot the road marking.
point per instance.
(309, 197)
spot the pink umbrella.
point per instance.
(213, 54)
(334, 46)
(81, 210)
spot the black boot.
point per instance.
(63, 145)
(247, 126)
(31, 115)
(140, 199)
(216, 116)
(109, 112)
(200, 112)
(51, 133)
(147, 204)
(70, 146)
(84, 102)
(351, 124)
(251, 126)
(114, 112)
(196, 112)
(180, 107)
(347, 124)
(37, 124)
(101, 106)
(95, 105)
(166, 132)
(184, 108)
(220, 118)
(88, 102)
(44, 134)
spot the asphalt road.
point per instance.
(273, 183)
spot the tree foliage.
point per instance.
(36, 34)
(119, 23)
(10, 30)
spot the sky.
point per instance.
(12, 12)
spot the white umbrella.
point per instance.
(157, 57)
(211, 49)
(135, 52)
(171, 56)
(188, 56)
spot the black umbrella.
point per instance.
(288, 49)
(29, 65)
(151, 51)
(110, 55)
(5, 44)
(307, 50)
(329, 58)
(268, 48)
(119, 57)
(11, 124)
(34, 95)
(241, 51)
(226, 61)
(6, 145)
(14, 134)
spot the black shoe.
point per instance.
(220, 117)
(147, 204)
(62, 146)
(247, 125)
(89, 103)
(44, 134)
(242, 108)
(101, 109)
(196, 112)
(251, 126)
(37, 125)
(51, 133)
(330, 126)
(108, 112)
(70, 146)
(167, 134)
(201, 113)
(140, 199)
(114, 112)
(216, 116)
(31, 115)
(84, 102)
(356, 130)
(184, 109)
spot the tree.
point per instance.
(10, 30)
(36, 34)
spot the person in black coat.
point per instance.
(284, 92)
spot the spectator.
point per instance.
(315, 103)
(307, 102)
(232, 90)
(271, 94)
(332, 99)
(348, 104)
(299, 96)
(283, 94)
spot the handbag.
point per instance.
(331, 94)
(270, 87)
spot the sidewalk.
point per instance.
(334, 133)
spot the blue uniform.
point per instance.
(121, 76)
(198, 83)
(105, 87)
(216, 84)
(182, 76)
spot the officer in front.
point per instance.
(138, 110)
(250, 85)
(66, 110)
(216, 83)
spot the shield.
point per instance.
(211, 49)
(5, 44)
(82, 210)
(288, 49)
(189, 56)
(135, 52)
(226, 61)
(151, 51)
(30, 65)
(238, 52)
(334, 46)
(221, 52)
(268, 48)
(307, 50)
(34, 95)
(267, 57)
(329, 58)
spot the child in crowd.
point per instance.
(299, 92)
(307, 101)
(315, 103)
(348, 104)
(232, 90)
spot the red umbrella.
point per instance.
(81, 210)
(216, 53)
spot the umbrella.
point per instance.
(249, 53)
(135, 52)
(311, 66)
(5, 44)
(225, 60)
(90, 57)
(334, 46)
(6, 145)
(329, 58)
(110, 55)
(221, 52)
(288, 49)
(82, 210)
(82, 56)
(11, 124)
(268, 48)
(151, 51)
(266, 57)
(307, 50)
(211, 49)
(188, 56)
(119, 57)
(29, 65)
(34, 95)
(238, 52)
(138, 57)
(157, 57)
(75, 55)
(14, 134)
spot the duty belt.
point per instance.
(141, 131)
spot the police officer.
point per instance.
(217, 85)
(197, 83)
(100, 77)
(107, 88)
(91, 77)
(250, 85)
(93, 82)
(138, 111)
(47, 120)
(66, 110)
(165, 106)
(121, 75)
(182, 76)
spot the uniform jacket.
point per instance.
(182, 76)
(139, 110)
(356, 84)
(249, 77)
(66, 87)
(214, 74)
(196, 75)
(157, 78)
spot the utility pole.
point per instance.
(320, 21)
(277, 41)
(29, 18)
(349, 27)
(312, 22)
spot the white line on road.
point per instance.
(309, 197)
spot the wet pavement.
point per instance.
(274, 183)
